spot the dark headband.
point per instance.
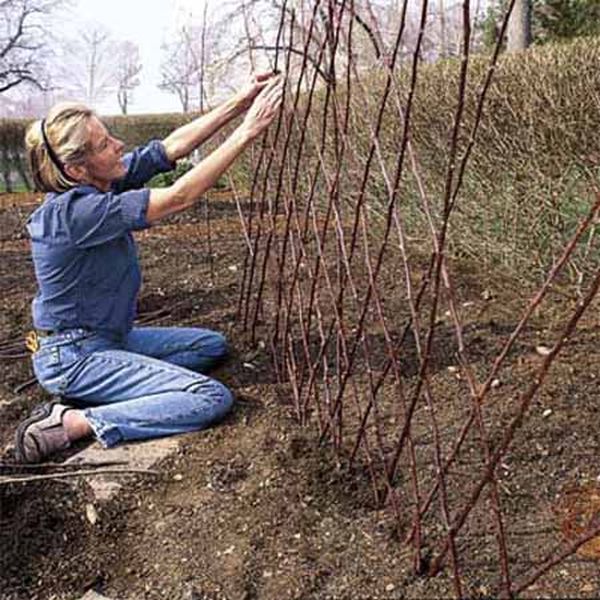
(53, 157)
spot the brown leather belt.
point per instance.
(45, 332)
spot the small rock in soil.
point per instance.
(91, 513)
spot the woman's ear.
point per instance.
(76, 172)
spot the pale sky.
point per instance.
(146, 23)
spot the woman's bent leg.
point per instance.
(129, 396)
(189, 347)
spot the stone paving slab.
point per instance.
(139, 455)
(91, 595)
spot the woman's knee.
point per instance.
(227, 399)
(219, 397)
(219, 346)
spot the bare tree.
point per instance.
(202, 61)
(89, 65)
(191, 61)
(127, 71)
(19, 102)
(179, 68)
(23, 42)
(244, 35)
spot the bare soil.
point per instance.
(256, 508)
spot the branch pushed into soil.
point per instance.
(82, 473)
(23, 386)
(7, 466)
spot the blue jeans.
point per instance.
(143, 386)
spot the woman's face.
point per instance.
(104, 162)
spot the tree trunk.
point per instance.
(22, 171)
(6, 167)
(122, 99)
(443, 44)
(519, 27)
(203, 58)
(7, 181)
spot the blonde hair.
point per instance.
(62, 138)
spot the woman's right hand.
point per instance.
(264, 108)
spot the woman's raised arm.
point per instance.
(188, 189)
(183, 140)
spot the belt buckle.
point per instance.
(32, 342)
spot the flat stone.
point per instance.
(92, 595)
(139, 455)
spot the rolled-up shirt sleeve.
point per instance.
(95, 218)
(142, 164)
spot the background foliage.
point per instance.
(532, 171)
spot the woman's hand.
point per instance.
(264, 108)
(256, 83)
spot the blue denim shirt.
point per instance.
(84, 255)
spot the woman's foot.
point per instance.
(49, 429)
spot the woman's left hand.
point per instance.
(253, 87)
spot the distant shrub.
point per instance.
(133, 130)
(166, 179)
(163, 180)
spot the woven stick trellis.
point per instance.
(326, 234)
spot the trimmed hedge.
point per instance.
(536, 155)
(135, 130)
(12, 153)
(542, 108)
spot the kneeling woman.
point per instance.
(119, 382)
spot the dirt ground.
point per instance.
(255, 508)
